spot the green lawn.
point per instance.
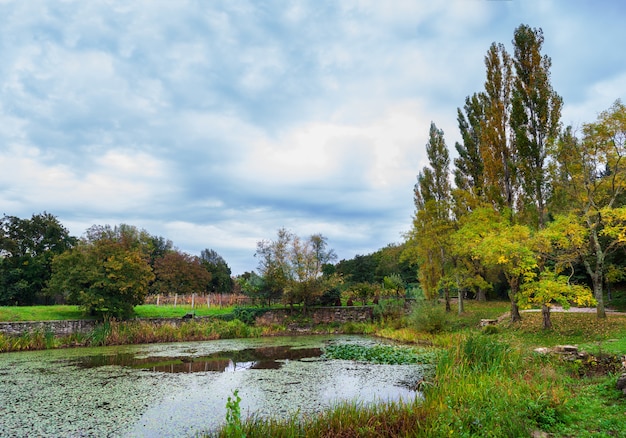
(63, 312)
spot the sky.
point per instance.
(215, 123)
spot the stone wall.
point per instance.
(319, 315)
(58, 328)
(277, 316)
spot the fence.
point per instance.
(198, 300)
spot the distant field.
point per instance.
(49, 313)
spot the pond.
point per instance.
(181, 389)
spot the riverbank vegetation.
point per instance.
(69, 312)
(486, 381)
(490, 382)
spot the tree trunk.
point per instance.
(597, 275)
(545, 312)
(598, 295)
(481, 295)
(596, 280)
(461, 303)
(515, 315)
(447, 295)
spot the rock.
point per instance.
(621, 383)
(486, 322)
(542, 350)
(566, 349)
(188, 316)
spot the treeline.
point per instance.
(107, 271)
(527, 201)
(302, 271)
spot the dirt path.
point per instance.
(576, 310)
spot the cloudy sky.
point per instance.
(214, 123)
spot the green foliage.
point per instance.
(552, 288)
(390, 313)
(485, 353)
(27, 247)
(105, 277)
(233, 427)
(291, 267)
(330, 297)
(362, 292)
(394, 283)
(380, 354)
(221, 281)
(248, 315)
(429, 317)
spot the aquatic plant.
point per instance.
(380, 354)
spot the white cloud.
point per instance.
(214, 124)
(119, 182)
(599, 96)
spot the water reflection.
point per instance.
(262, 358)
(111, 391)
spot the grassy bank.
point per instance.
(65, 312)
(487, 383)
(490, 383)
(134, 332)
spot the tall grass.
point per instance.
(112, 332)
(346, 420)
(482, 388)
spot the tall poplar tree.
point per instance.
(497, 148)
(535, 118)
(428, 242)
(469, 165)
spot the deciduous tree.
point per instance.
(427, 243)
(552, 288)
(27, 247)
(535, 117)
(221, 281)
(180, 273)
(103, 276)
(592, 180)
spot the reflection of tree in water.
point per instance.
(238, 360)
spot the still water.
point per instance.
(181, 389)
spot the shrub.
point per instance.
(248, 315)
(390, 312)
(429, 317)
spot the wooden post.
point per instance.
(193, 300)
(175, 300)
(158, 296)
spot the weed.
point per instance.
(233, 417)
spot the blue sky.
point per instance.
(214, 123)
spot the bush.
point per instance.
(248, 315)
(330, 297)
(429, 317)
(390, 312)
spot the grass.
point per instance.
(40, 313)
(489, 383)
(134, 332)
(169, 311)
(66, 312)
